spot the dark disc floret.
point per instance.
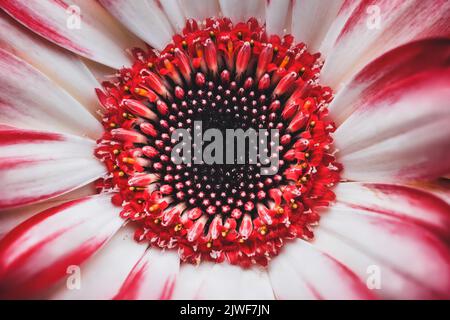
(228, 77)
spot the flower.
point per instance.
(358, 91)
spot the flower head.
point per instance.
(350, 200)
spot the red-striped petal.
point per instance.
(405, 203)
(304, 272)
(394, 66)
(35, 166)
(98, 36)
(37, 253)
(153, 277)
(366, 29)
(400, 134)
(29, 99)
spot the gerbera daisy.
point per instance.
(94, 207)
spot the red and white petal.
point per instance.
(103, 274)
(190, 281)
(200, 10)
(440, 188)
(241, 11)
(287, 284)
(366, 29)
(405, 203)
(311, 20)
(319, 276)
(63, 67)
(99, 37)
(409, 261)
(175, 14)
(29, 99)
(222, 281)
(391, 67)
(144, 18)
(11, 218)
(153, 277)
(278, 16)
(400, 134)
(37, 254)
(100, 72)
(35, 166)
(255, 285)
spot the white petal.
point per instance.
(311, 21)
(11, 218)
(144, 18)
(174, 13)
(287, 283)
(405, 203)
(363, 31)
(200, 10)
(392, 67)
(40, 252)
(411, 263)
(103, 274)
(241, 11)
(221, 281)
(29, 99)
(322, 276)
(36, 166)
(96, 35)
(63, 67)
(153, 277)
(400, 134)
(279, 16)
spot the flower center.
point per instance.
(220, 77)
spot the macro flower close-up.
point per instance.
(224, 149)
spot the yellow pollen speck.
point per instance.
(280, 210)
(263, 230)
(294, 206)
(224, 233)
(284, 62)
(132, 188)
(307, 155)
(128, 160)
(121, 174)
(154, 207)
(209, 244)
(169, 66)
(150, 65)
(156, 221)
(141, 92)
(178, 227)
(112, 125)
(116, 152)
(241, 240)
(312, 124)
